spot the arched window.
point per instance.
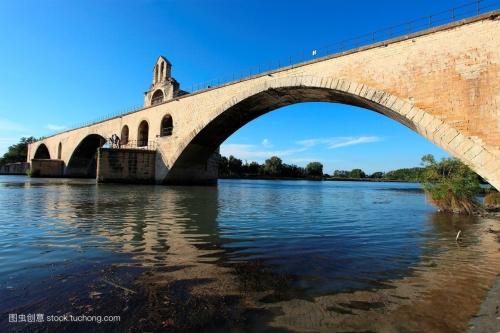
(59, 151)
(124, 135)
(167, 126)
(161, 71)
(142, 134)
(156, 73)
(157, 97)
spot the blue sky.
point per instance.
(65, 62)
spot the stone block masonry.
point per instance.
(19, 168)
(126, 166)
(47, 168)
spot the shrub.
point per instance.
(492, 200)
(450, 185)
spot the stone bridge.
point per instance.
(443, 83)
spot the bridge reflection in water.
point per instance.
(245, 255)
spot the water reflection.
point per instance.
(247, 255)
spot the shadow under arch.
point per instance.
(194, 154)
(42, 152)
(83, 161)
(143, 134)
(124, 135)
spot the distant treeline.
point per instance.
(405, 174)
(17, 152)
(274, 167)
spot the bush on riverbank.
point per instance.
(450, 185)
(492, 200)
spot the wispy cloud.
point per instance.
(259, 152)
(8, 140)
(338, 142)
(5, 143)
(53, 127)
(246, 151)
(300, 160)
(266, 143)
(7, 125)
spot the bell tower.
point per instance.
(164, 86)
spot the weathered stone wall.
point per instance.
(126, 166)
(47, 168)
(19, 168)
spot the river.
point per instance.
(246, 256)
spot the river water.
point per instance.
(245, 256)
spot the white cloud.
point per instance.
(5, 143)
(245, 151)
(7, 140)
(354, 141)
(53, 127)
(7, 125)
(300, 160)
(256, 152)
(266, 143)
(310, 142)
(337, 142)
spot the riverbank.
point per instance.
(442, 294)
(488, 317)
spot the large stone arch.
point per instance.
(83, 162)
(190, 162)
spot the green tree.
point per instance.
(292, 170)
(377, 175)
(17, 152)
(253, 168)
(223, 166)
(357, 173)
(273, 166)
(450, 185)
(405, 174)
(341, 174)
(235, 166)
(314, 169)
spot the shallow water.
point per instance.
(246, 255)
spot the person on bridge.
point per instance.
(115, 141)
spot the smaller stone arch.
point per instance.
(167, 126)
(124, 135)
(42, 152)
(83, 160)
(59, 151)
(157, 97)
(143, 134)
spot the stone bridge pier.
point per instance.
(443, 83)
